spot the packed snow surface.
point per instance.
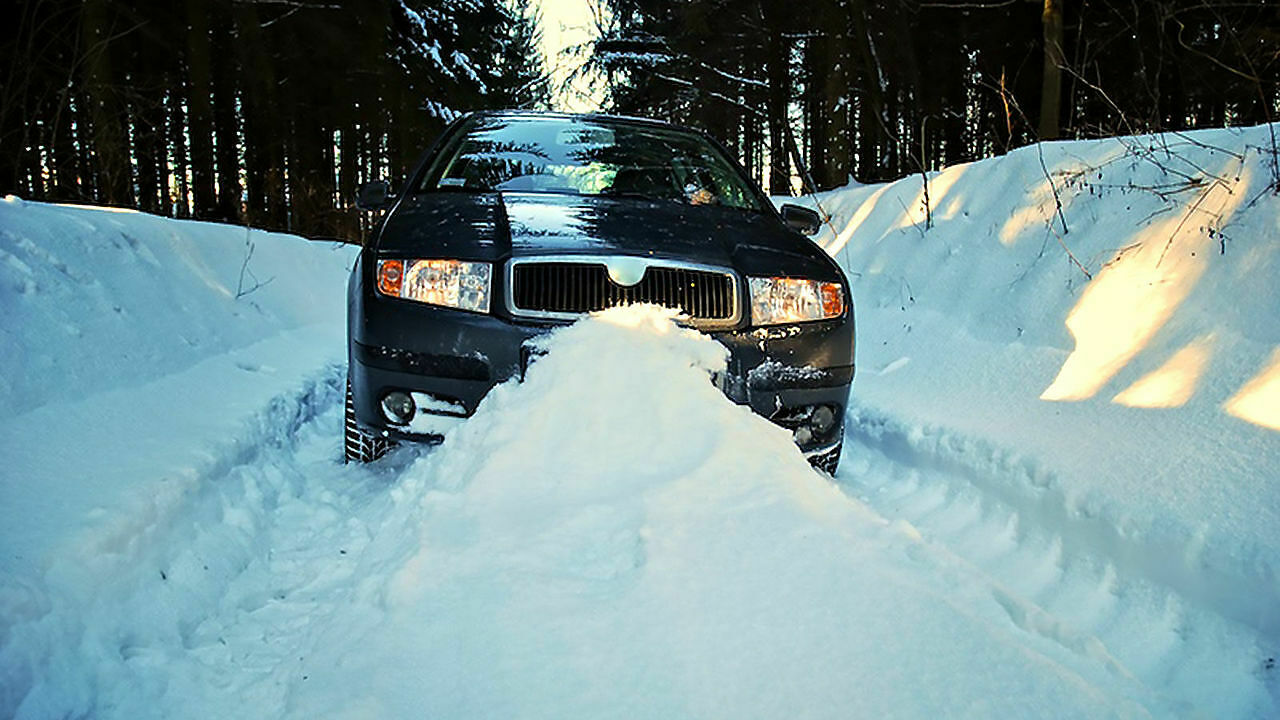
(1058, 497)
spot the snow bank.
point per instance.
(141, 359)
(135, 345)
(614, 538)
(1090, 328)
(101, 298)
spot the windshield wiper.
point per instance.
(453, 189)
(638, 196)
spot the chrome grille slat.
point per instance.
(564, 287)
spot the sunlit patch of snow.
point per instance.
(1173, 383)
(1259, 401)
(1135, 294)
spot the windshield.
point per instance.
(580, 156)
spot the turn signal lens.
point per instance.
(390, 275)
(832, 300)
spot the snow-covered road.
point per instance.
(296, 586)
(292, 585)
(1025, 524)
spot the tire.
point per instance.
(358, 445)
(828, 461)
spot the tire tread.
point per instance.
(358, 445)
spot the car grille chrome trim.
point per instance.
(565, 287)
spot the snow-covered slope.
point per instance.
(141, 359)
(1113, 366)
(1058, 497)
(127, 338)
(98, 299)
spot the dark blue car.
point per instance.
(516, 222)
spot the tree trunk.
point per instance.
(1054, 59)
(32, 176)
(817, 67)
(776, 110)
(85, 161)
(873, 135)
(148, 124)
(148, 150)
(177, 134)
(200, 109)
(224, 118)
(348, 172)
(110, 144)
(751, 147)
(837, 107)
(66, 161)
(264, 138)
(310, 175)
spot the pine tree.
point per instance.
(522, 77)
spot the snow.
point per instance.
(134, 379)
(1058, 497)
(1122, 394)
(100, 299)
(771, 373)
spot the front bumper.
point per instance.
(456, 357)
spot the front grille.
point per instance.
(563, 289)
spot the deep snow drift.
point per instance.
(611, 538)
(1058, 497)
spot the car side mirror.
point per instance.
(374, 195)
(801, 218)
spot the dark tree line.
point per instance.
(271, 112)
(268, 112)
(876, 89)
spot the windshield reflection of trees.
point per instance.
(592, 159)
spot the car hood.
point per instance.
(496, 226)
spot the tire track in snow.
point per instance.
(218, 553)
(313, 523)
(1146, 609)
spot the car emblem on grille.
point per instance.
(626, 271)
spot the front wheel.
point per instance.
(358, 445)
(828, 461)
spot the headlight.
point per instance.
(449, 283)
(779, 300)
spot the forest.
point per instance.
(877, 89)
(272, 112)
(264, 112)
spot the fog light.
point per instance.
(398, 407)
(803, 435)
(823, 419)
